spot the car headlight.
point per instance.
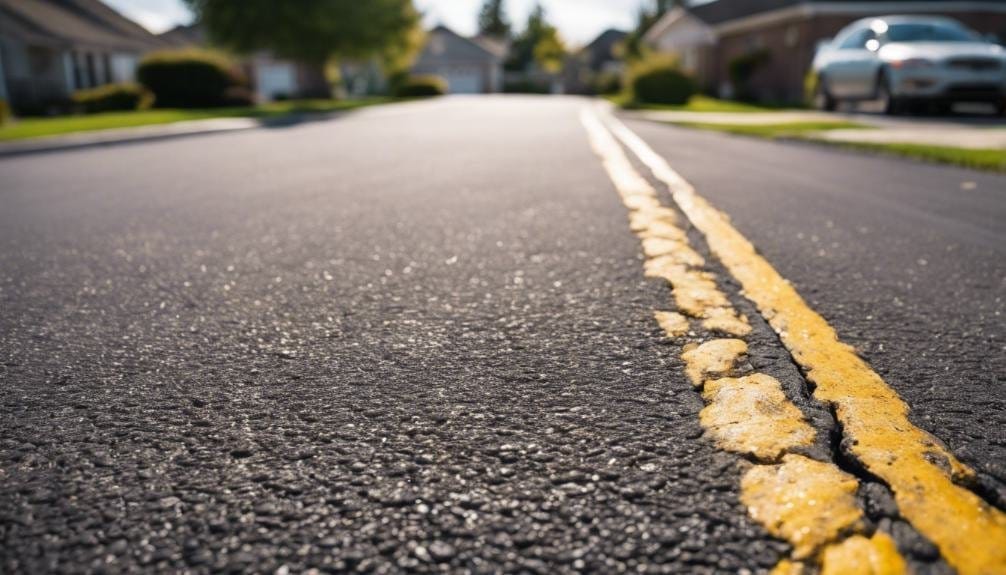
(912, 64)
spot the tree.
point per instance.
(311, 30)
(493, 20)
(539, 43)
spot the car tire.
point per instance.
(823, 99)
(890, 104)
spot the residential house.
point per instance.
(783, 36)
(270, 78)
(594, 62)
(51, 48)
(468, 65)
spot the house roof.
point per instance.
(723, 11)
(74, 22)
(191, 35)
(602, 48)
(720, 11)
(496, 46)
(472, 47)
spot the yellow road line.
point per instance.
(921, 472)
(809, 503)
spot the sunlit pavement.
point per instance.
(420, 337)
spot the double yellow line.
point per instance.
(811, 504)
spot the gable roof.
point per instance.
(461, 48)
(74, 22)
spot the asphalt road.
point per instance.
(418, 337)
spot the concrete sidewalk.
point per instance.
(965, 132)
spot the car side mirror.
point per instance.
(873, 44)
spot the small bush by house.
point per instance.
(191, 79)
(420, 87)
(660, 81)
(111, 98)
(4, 112)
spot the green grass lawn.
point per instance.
(38, 127)
(781, 130)
(994, 160)
(695, 104)
(989, 159)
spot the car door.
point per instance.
(852, 70)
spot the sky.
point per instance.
(579, 21)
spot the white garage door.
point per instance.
(464, 81)
(274, 80)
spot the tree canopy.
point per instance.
(493, 20)
(539, 43)
(311, 30)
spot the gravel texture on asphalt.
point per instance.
(417, 337)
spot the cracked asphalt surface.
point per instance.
(418, 337)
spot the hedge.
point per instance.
(111, 98)
(660, 81)
(420, 87)
(192, 79)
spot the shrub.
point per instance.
(527, 86)
(660, 81)
(420, 87)
(607, 83)
(4, 112)
(189, 78)
(111, 98)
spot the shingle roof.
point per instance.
(64, 22)
(720, 11)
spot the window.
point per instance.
(857, 40)
(929, 32)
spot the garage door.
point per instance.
(274, 80)
(464, 81)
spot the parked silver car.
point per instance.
(902, 60)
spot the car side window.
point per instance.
(857, 40)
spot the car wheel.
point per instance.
(890, 104)
(823, 99)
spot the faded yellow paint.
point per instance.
(808, 503)
(674, 324)
(859, 555)
(660, 228)
(642, 221)
(713, 359)
(922, 473)
(751, 415)
(805, 502)
(787, 567)
(727, 321)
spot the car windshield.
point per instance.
(928, 32)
